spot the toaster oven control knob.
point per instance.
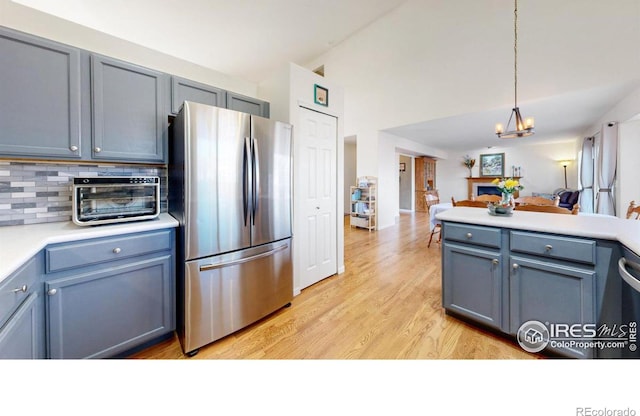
(52, 292)
(117, 250)
(97, 150)
(74, 148)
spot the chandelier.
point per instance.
(521, 128)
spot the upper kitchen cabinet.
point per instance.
(247, 104)
(128, 111)
(186, 90)
(40, 97)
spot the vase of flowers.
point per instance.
(507, 186)
(469, 163)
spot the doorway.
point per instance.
(405, 186)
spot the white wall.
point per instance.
(540, 169)
(25, 19)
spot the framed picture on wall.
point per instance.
(492, 165)
(321, 95)
(403, 167)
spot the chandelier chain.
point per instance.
(515, 53)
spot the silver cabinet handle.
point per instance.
(52, 292)
(22, 289)
(469, 235)
(117, 250)
(74, 148)
(495, 261)
(548, 247)
(97, 150)
(515, 266)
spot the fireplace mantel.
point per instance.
(484, 180)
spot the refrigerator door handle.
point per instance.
(240, 261)
(256, 179)
(245, 178)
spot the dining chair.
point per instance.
(488, 198)
(469, 203)
(633, 209)
(548, 208)
(537, 200)
(430, 200)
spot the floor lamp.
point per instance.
(564, 164)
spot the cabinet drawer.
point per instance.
(15, 289)
(485, 236)
(556, 247)
(85, 253)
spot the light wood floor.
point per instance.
(387, 305)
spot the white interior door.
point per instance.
(318, 177)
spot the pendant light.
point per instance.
(521, 128)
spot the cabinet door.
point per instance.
(246, 104)
(472, 283)
(39, 97)
(21, 337)
(551, 293)
(128, 120)
(106, 311)
(186, 90)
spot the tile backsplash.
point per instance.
(38, 192)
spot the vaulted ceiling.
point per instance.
(433, 71)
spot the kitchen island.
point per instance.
(559, 270)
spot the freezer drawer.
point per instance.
(225, 293)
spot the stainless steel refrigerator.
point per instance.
(230, 189)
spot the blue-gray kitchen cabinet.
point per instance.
(556, 294)
(187, 90)
(128, 113)
(109, 295)
(40, 104)
(246, 104)
(472, 283)
(473, 273)
(21, 313)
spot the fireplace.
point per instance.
(483, 186)
(484, 189)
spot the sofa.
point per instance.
(568, 198)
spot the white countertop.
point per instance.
(626, 232)
(19, 243)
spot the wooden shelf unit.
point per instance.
(364, 203)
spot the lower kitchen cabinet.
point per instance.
(554, 294)
(560, 281)
(477, 294)
(22, 337)
(102, 309)
(21, 313)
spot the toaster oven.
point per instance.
(112, 199)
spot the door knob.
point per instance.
(97, 150)
(117, 250)
(515, 266)
(74, 148)
(469, 235)
(52, 292)
(495, 261)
